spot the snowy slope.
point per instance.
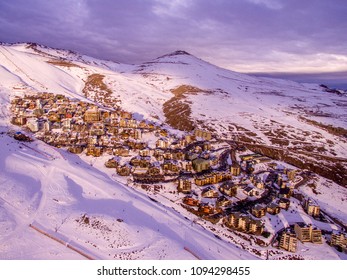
(103, 217)
(240, 94)
(39, 186)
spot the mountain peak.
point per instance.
(175, 53)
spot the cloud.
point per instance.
(271, 4)
(252, 35)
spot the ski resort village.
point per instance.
(240, 196)
(174, 158)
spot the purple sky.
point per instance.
(242, 35)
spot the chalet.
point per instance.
(235, 169)
(259, 210)
(202, 180)
(124, 170)
(273, 208)
(284, 203)
(257, 181)
(214, 160)
(189, 138)
(125, 115)
(107, 149)
(222, 201)
(158, 154)
(124, 135)
(163, 132)
(92, 115)
(250, 190)
(200, 164)
(154, 169)
(206, 146)
(209, 192)
(228, 188)
(260, 185)
(151, 126)
(78, 127)
(143, 125)
(203, 134)
(163, 143)
(136, 145)
(178, 155)
(123, 152)
(94, 151)
(214, 218)
(190, 200)
(132, 123)
(66, 123)
(143, 162)
(167, 155)
(105, 115)
(170, 165)
(19, 120)
(112, 163)
(92, 140)
(76, 149)
(145, 152)
(206, 208)
(97, 128)
(184, 186)
(311, 208)
(137, 134)
(105, 141)
(187, 166)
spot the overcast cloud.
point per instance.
(242, 35)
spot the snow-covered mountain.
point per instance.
(303, 124)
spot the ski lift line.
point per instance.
(19, 69)
(66, 244)
(48, 156)
(192, 253)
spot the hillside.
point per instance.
(81, 203)
(306, 121)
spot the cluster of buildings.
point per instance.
(300, 232)
(245, 222)
(213, 187)
(79, 126)
(84, 127)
